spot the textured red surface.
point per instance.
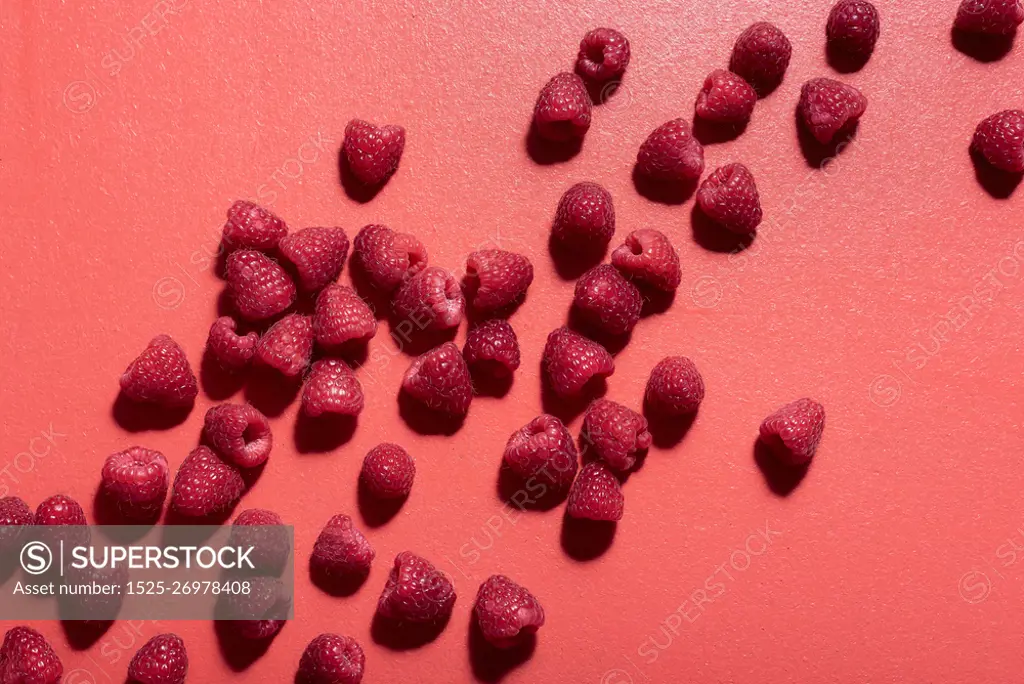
(888, 288)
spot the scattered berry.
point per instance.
(205, 485)
(135, 481)
(162, 660)
(388, 471)
(761, 56)
(675, 387)
(416, 591)
(342, 316)
(250, 226)
(853, 28)
(828, 107)
(341, 551)
(240, 433)
(543, 447)
(440, 380)
(497, 278)
(604, 55)
(1000, 140)
(648, 257)
(265, 532)
(231, 350)
(14, 514)
(506, 612)
(585, 216)
(372, 152)
(794, 431)
(563, 109)
(432, 299)
(386, 257)
(571, 361)
(258, 615)
(607, 300)
(671, 153)
(93, 608)
(161, 375)
(288, 345)
(729, 197)
(332, 659)
(332, 387)
(27, 658)
(317, 254)
(725, 98)
(596, 494)
(60, 510)
(616, 433)
(258, 285)
(492, 349)
(992, 17)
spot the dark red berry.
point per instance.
(496, 278)
(492, 349)
(440, 380)
(388, 471)
(725, 98)
(386, 257)
(571, 361)
(596, 494)
(372, 152)
(990, 17)
(761, 56)
(671, 154)
(794, 431)
(648, 257)
(250, 226)
(828, 107)
(853, 27)
(604, 55)
(1000, 140)
(585, 216)
(563, 109)
(431, 300)
(729, 197)
(675, 387)
(543, 450)
(607, 300)
(615, 433)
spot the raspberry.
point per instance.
(265, 533)
(416, 591)
(729, 197)
(440, 380)
(250, 226)
(543, 446)
(161, 375)
(162, 660)
(372, 152)
(794, 431)
(607, 300)
(432, 299)
(675, 387)
(604, 55)
(585, 216)
(205, 485)
(571, 361)
(761, 56)
(94, 610)
(497, 278)
(341, 316)
(232, 351)
(671, 153)
(563, 109)
(341, 551)
(27, 658)
(258, 285)
(992, 17)
(1000, 140)
(135, 481)
(317, 254)
(725, 98)
(596, 494)
(332, 387)
(386, 257)
(647, 256)
(828, 107)
(853, 27)
(60, 510)
(240, 433)
(266, 598)
(332, 659)
(492, 349)
(616, 433)
(14, 514)
(288, 345)
(506, 612)
(388, 471)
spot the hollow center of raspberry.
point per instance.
(595, 53)
(252, 433)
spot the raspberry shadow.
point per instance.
(585, 540)
(818, 154)
(492, 664)
(547, 152)
(981, 46)
(238, 652)
(663, 192)
(997, 183)
(405, 636)
(781, 478)
(133, 416)
(714, 237)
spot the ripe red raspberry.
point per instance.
(267, 598)
(265, 533)
(388, 471)
(604, 55)
(492, 349)
(563, 109)
(648, 257)
(240, 433)
(432, 299)
(571, 361)
(372, 152)
(161, 660)
(671, 153)
(258, 285)
(853, 27)
(205, 485)
(543, 448)
(27, 658)
(416, 591)
(585, 216)
(725, 98)
(386, 257)
(607, 300)
(506, 612)
(288, 345)
(332, 387)
(596, 494)
(161, 375)
(317, 254)
(1000, 140)
(991, 17)
(232, 351)
(332, 659)
(60, 510)
(342, 316)
(341, 552)
(496, 278)
(675, 387)
(440, 380)
(250, 226)
(761, 56)
(616, 433)
(135, 481)
(794, 431)
(828, 107)
(729, 197)
(14, 515)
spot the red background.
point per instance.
(125, 137)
